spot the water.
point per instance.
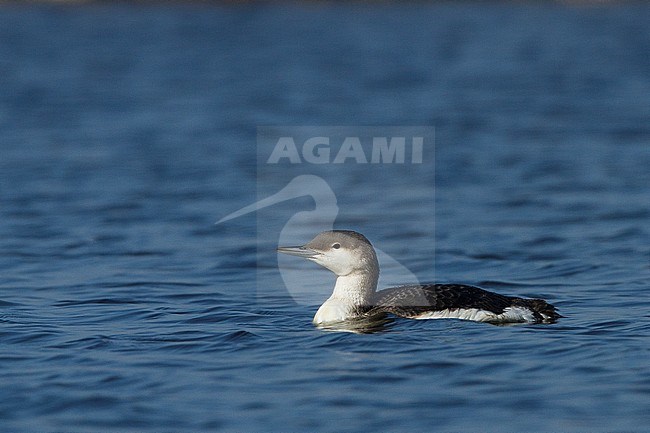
(127, 131)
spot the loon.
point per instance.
(352, 258)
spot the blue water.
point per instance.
(127, 131)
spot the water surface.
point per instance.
(127, 131)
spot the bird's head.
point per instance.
(343, 252)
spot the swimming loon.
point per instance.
(352, 258)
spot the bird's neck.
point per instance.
(351, 292)
(356, 289)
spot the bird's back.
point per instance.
(460, 301)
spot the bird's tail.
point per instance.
(542, 310)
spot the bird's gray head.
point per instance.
(343, 252)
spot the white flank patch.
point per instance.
(510, 314)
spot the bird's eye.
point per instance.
(336, 246)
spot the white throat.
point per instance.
(350, 292)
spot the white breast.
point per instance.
(333, 310)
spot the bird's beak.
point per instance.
(303, 251)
